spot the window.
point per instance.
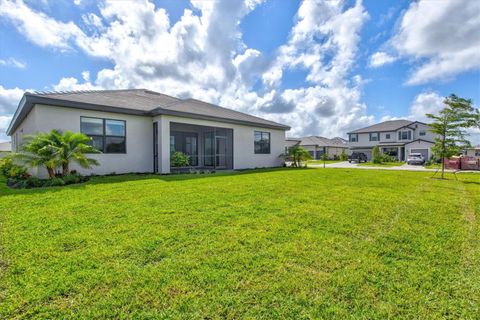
(404, 135)
(387, 136)
(422, 133)
(374, 136)
(353, 137)
(107, 135)
(262, 142)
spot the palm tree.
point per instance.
(38, 150)
(73, 147)
(56, 149)
(298, 155)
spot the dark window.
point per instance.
(422, 133)
(108, 136)
(374, 136)
(353, 137)
(404, 135)
(262, 142)
(387, 136)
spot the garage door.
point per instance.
(424, 152)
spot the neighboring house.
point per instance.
(473, 152)
(5, 148)
(318, 146)
(137, 130)
(397, 138)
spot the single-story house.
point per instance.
(5, 148)
(137, 130)
(397, 138)
(318, 146)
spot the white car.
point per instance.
(415, 158)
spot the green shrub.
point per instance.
(73, 178)
(179, 159)
(54, 182)
(11, 170)
(376, 156)
(343, 156)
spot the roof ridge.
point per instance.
(40, 92)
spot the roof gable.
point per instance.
(391, 125)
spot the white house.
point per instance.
(318, 146)
(397, 138)
(137, 130)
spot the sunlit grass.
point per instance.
(271, 244)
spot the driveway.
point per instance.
(347, 165)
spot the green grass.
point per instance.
(271, 244)
(321, 161)
(384, 164)
(434, 166)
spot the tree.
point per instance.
(56, 149)
(376, 156)
(298, 155)
(38, 150)
(73, 147)
(450, 127)
(179, 159)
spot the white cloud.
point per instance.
(441, 37)
(9, 99)
(426, 102)
(12, 62)
(202, 55)
(38, 27)
(381, 58)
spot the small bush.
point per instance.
(344, 156)
(54, 182)
(179, 159)
(376, 156)
(11, 170)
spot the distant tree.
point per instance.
(450, 127)
(376, 156)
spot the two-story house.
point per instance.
(397, 138)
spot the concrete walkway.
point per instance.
(347, 165)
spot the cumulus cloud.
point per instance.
(441, 37)
(426, 102)
(381, 58)
(202, 55)
(9, 99)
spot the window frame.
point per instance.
(400, 135)
(422, 133)
(372, 134)
(387, 136)
(105, 136)
(261, 138)
(353, 135)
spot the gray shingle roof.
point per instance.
(391, 125)
(323, 142)
(139, 102)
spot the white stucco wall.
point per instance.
(139, 140)
(244, 156)
(419, 145)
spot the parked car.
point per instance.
(358, 157)
(415, 158)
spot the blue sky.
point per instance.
(322, 67)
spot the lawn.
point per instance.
(383, 164)
(271, 244)
(321, 161)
